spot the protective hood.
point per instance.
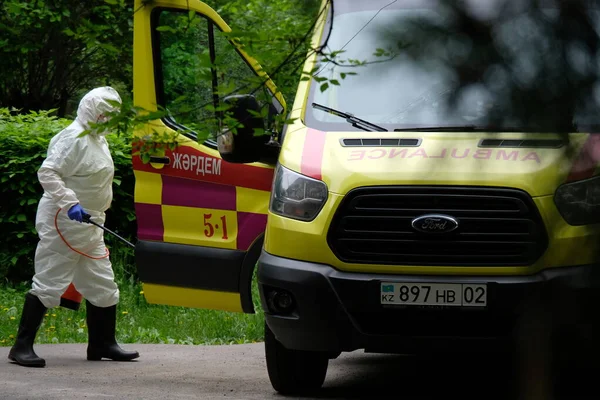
(94, 104)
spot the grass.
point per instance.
(137, 321)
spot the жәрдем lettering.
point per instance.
(202, 165)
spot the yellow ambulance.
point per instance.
(375, 221)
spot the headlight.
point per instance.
(579, 202)
(297, 196)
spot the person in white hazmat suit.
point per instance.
(77, 177)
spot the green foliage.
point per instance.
(50, 50)
(65, 48)
(277, 34)
(195, 86)
(24, 140)
(137, 321)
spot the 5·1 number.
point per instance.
(209, 230)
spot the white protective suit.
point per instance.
(76, 170)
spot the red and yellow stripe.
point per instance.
(225, 210)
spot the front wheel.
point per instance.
(294, 371)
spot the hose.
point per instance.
(68, 245)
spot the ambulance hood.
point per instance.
(536, 163)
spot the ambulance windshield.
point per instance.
(503, 64)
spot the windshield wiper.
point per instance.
(459, 128)
(351, 119)
(464, 128)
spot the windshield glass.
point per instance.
(506, 65)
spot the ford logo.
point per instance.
(434, 223)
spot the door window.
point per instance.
(197, 68)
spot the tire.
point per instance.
(575, 360)
(294, 371)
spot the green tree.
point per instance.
(50, 50)
(276, 33)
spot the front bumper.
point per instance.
(339, 311)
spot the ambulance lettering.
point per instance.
(199, 164)
(480, 154)
(512, 156)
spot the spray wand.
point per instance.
(86, 219)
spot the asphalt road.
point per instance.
(239, 372)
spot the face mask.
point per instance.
(100, 120)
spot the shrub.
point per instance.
(24, 140)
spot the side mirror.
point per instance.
(243, 146)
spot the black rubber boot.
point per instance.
(101, 335)
(22, 351)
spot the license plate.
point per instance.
(434, 294)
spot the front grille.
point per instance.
(497, 227)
